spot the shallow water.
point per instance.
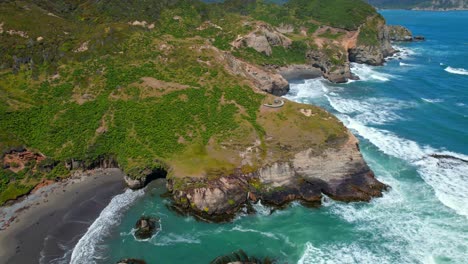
(414, 107)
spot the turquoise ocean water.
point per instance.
(413, 107)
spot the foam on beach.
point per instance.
(87, 250)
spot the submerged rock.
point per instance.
(419, 38)
(240, 257)
(131, 261)
(146, 227)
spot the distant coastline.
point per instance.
(426, 9)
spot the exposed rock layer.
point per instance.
(373, 53)
(341, 173)
(263, 79)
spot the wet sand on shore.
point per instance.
(48, 223)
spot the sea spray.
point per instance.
(86, 250)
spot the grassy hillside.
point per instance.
(80, 82)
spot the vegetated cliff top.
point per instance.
(421, 4)
(156, 83)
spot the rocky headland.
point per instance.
(187, 100)
(339, 172)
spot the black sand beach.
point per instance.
(55, 219)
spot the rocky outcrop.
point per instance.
(373, 44)
(341, 173)
(299, 72)
(262, 39)
(240, 256)
(399, 33)
(131, 261)
(139, 178)
(146, 227)
(335, 68)
(263, 79)
(402, 34)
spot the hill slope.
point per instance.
(180, 88)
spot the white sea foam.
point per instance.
(404, 52)
(247, 230)
(261, 209)
(171, 239)
(432, 100)
(370, 111)
(449, 183)
(86, 250)
(448, 178)
(460, 71)
(402, 64)
(410, 231)
(309, 89)
(369, 73)
(339, 254)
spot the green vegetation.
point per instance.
(346, 14)
(281, 56)
(369, 32)
(83, 84)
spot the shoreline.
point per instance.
(46, 225)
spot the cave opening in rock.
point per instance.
(158, 173)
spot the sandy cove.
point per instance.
(46, 225)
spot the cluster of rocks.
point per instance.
(402, 34)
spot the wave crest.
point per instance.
(459, 71)
(86, 250)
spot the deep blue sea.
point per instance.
(414, 107)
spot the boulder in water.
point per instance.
(131, 261)
(146, 227)
(240, 257)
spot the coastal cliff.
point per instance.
(340, 173)
(187, 92)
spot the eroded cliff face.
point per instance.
(337, 72)
(263, 79)
(340, 173)
(262, 39)
(373, 44)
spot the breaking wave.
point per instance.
(370, 111)
(368, 73)
(87, 249)
(404, 52)
(459, 71)
(337, 254)
(312, 88)
(448, 177)
(432, 100)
